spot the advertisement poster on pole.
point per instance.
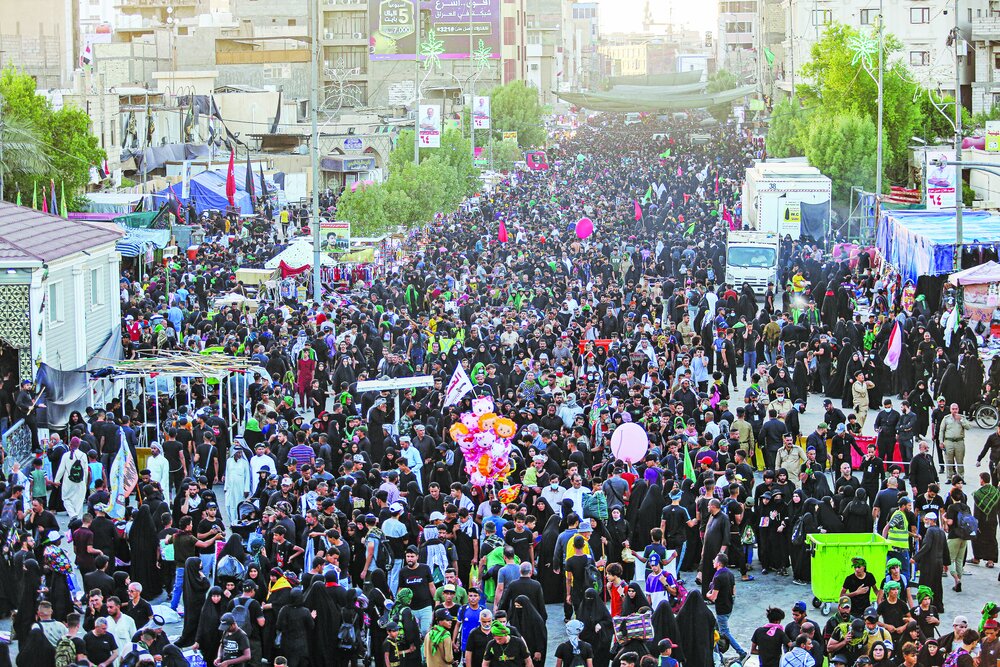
(430, 126)
(186, 180)
(992, 136)
(481, 112)
(940, 180)
(335, 236)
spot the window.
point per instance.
(735, 27)
(920, 58)
(996, 60)
(822, 16)
(55, 304)
(96, 287)
(920, 14)
(868, 16)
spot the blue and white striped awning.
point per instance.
(129, 248)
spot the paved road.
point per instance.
(753, 598)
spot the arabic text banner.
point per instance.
(394, 28)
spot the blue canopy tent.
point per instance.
(922, 243)
(208, 190)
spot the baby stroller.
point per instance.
(248, 519)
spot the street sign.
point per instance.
(394, 384)
(510, 135)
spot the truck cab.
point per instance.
(752, 257)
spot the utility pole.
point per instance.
(878, 128)
(416, 84)
(472, 93)
(958, 151)
(314, 146)
(791, 41)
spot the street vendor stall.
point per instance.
(980, 292)
(922, 243)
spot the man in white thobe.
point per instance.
(71, 477)
(159, 468)
(237, 484)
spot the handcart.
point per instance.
(831, 562)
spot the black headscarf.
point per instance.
(195, 588)
(631, 605)
(208, 635)
(598, 627)
(27, 606)
(648, 517)
(696, 624)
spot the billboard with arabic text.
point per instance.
(444, 28)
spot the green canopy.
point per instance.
(667, 79)
(143, 220)
(655, 102)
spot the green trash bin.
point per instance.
(831, 562)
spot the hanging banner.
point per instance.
(481, 112)
(430, 126)
(940, 180)
(392, 26)
(790, 219)
(335, 236)
(186, 180)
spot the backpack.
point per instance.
(76, 472)
(65, 652)
(241, 614)
(799, 533)
(347, 637)
(966, 526)
(595, 505)
(593, 577)
(382, 557)
(8, 516)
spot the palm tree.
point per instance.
(22, 153)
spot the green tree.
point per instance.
(505, 154)
(373, 209)
(515, 107)
(937, 125)
(455, 151)
(836, 82)
(843, 148)
(62, 147)
(787, 135)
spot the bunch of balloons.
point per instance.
(486, 440)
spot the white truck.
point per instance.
(773, 194)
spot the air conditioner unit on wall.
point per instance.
(359, 35)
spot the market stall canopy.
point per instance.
(922, 243)
(977, 275)
(654, 98)
(297, 255)
(112, 202)
(208, 191)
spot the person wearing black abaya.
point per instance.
(598, 630)
(27, 606)
(696, 624)
(36, 648)
(665, 627)
(827, 516)
(145, 548)
(294, 626)
(648, 517)
(551, 582)
(322, 598)
(618, 531)
(209, 635)
(858, 514)
(633, 599)
(194, 592)
(531, 625)
(378, 594)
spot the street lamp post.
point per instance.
(957, 260)
(314, 148)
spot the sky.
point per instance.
(626, 15)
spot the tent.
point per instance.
(297, 255)
(208, 190)
(977, 275)
(112, 202)
(655, 98)
(922, 243)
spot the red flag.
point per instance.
(679, 172)
(638, 209)
(686, 197)
(728, 217)
(45, 204)
(716, 183)
(231, 179)
(502, 234)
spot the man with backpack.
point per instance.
(248, 618)
(71, 477)
(961, 527)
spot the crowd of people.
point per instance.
(328, 531)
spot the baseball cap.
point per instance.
(799, 606)
(436, 516)
(226, 620)
(448, 588)
(358, 458)
(396, 507)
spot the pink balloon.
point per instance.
(584, 228)
(629, 443)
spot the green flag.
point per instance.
(769, 56)
(688, 466)
(665, 154)
(648, 197)
(34, 196)
(19, 196)
(62, 201)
